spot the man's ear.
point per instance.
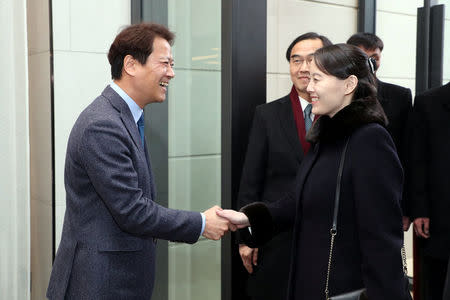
(350, 84)
(129, 65)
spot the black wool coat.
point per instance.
(429, 180)
(397, 105)
(367, 251)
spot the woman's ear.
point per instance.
(350, 84)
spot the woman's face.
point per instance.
(329, 94)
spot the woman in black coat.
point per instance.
(367, 247)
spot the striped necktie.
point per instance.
(307, 117)
(140, 124)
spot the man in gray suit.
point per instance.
(107, 248)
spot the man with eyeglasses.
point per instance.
(276, 148)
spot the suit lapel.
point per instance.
(289, 127)
(125, 114)
(128, 120)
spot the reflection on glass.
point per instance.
(194, 141)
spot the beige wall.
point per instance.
(40, 145)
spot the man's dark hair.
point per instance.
(367, 40)
(307, 36)
(137, 41)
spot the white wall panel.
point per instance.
(14, 153)
(94, 24)
(398, 32)
(351, 3)
(61, 25)
(399, 6)
(298, 17)
(278, 85)
(79, 79)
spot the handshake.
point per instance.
(219, 221)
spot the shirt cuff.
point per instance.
(203, 223)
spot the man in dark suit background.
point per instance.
(276, 148)
(111, 224)
(396, 102)
(430, 185)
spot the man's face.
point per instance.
(301, 57)
(152, 79)
(375, 53)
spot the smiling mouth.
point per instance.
(164, 84)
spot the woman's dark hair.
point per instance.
(137, 41)
(341, 61)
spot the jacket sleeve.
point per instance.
(268, 219)
(418, 158)
(105, 153)
(377, 179)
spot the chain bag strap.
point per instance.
(333, 232)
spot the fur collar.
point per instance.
(358, 113)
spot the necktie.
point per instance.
(140, 124)
(307, 117)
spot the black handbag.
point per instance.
(361, 293)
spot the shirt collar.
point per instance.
(136, 111)
(303, 103)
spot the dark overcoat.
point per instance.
(367, 250)
(430, 167)
(397, 105)
(274, 154)
(107, 248)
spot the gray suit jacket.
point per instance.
(107, 248)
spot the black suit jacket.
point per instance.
(430, 167)
(273, 157)
(397, 104)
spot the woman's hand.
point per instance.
(237, 218)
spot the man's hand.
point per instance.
(406, 223)
(249, 257)
(239, 219)
(422, 227)
(215, 226)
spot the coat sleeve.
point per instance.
(418, 157)
(106, 157)
(377, 179)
